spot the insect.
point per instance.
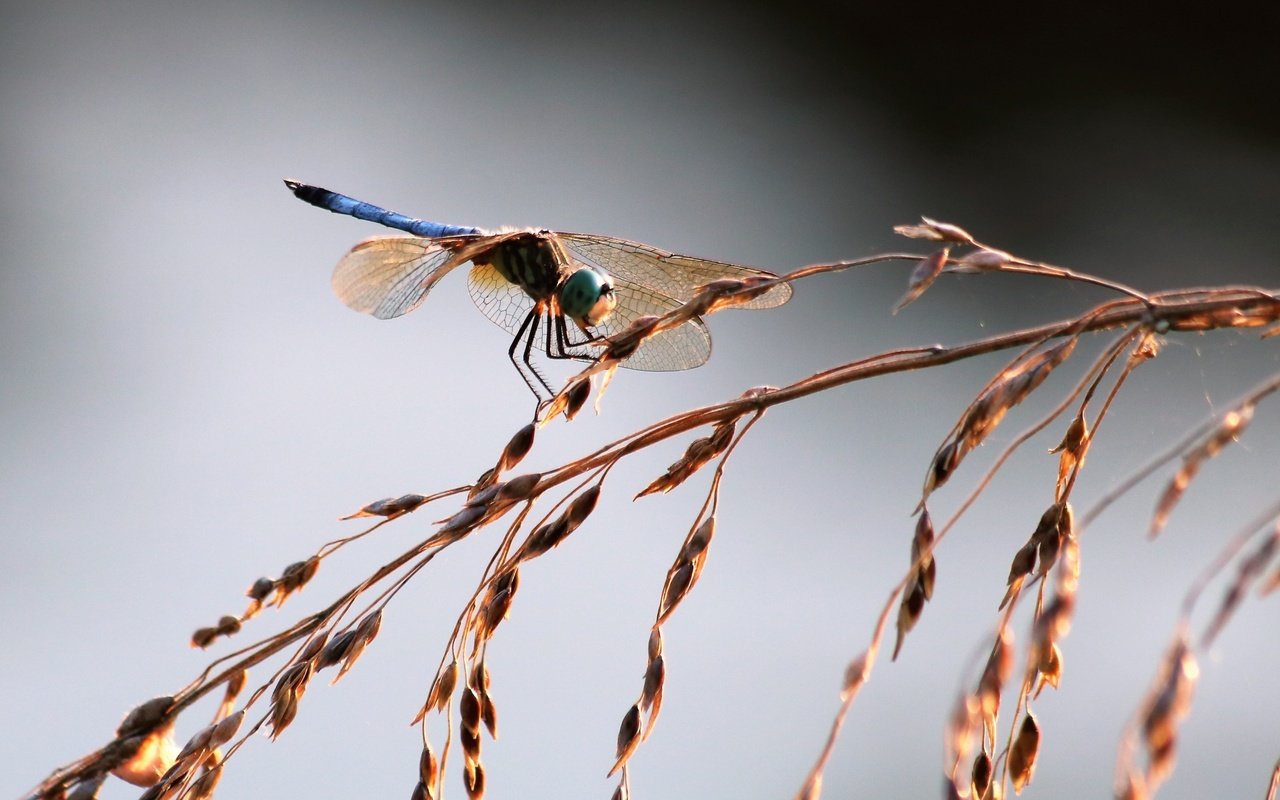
(531, 281)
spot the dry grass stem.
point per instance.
(144, 751)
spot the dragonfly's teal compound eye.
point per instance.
(588, 297)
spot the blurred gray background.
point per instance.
(186, 407)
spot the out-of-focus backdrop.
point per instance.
(185, 407)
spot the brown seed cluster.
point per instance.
(695, 457)
(1009, 388)
(920, 579)
(1232, 424)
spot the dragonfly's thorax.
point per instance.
(534, 261)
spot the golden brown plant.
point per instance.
(537, 511)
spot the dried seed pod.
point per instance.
(473, 780)
(1024, 561)
(145, 716)
(389, 507)
(1166, 708)
(996, 673)
(517, 448)
(576, 397)
(443, 687)
(909, 611)
(485, 480)
(428, 769)
(197, 743)
(546, 537)
(1022, 756)
(294, 577)
(582, 506)
(925, 568)
(203, 637)
(655, 642)
(944, 463)
(698, 543)
(1246, 573)
(983, 260)
(470, 742)
(489, 714)
(205, 785)
(622, 345)
(288, 690)
(226, 729)
(933, 230)
(1048, 668)
(462, 522)
(628, 737)
(521, 487)
(260, 589)
(469, 710)
(980, 776)
(654, 676)
(483, 497)
(365, 632)
(313, 646)
(495, 610)
(235, 685)
(922, 277)
(336, 650)
(678, 583)
(1233, 424)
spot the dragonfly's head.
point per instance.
(587, 296)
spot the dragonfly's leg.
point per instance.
(529, 327)
(564, 340)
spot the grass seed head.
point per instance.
(443, 687)
(336, 650)
(469, 710)
(314, 646)
(922, 277)
(1022, 756)
(628, 736)
(677, 587)
(520, 487)
(655, 642)
(980, 776)
(654, 676)
(428, 768)
(518, 447)
(473, 780)
(582, 506)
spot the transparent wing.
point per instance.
(669, 273)
(685, 347)
(388, 276)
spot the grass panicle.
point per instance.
(262, 684)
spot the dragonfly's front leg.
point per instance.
(564, 340)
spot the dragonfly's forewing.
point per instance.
(670, 273)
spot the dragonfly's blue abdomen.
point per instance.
(341, 204)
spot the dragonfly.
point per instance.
(574, 289)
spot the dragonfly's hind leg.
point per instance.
(528, 333)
